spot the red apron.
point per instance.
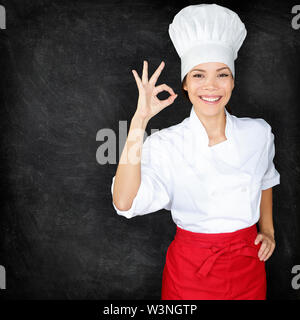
(214, 266)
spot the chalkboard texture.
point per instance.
(66, 89)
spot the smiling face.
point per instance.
(209, 86)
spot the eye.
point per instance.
(223, 75)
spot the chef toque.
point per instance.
(206, 33)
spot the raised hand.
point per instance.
(148, 103)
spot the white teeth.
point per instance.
(210, 99)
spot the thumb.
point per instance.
(171, 99)
(258, 239)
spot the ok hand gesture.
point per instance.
(148, 103)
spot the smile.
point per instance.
(210, 99)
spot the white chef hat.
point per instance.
(206, 33)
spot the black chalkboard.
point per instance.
(67, 90)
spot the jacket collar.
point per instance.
(200, 131)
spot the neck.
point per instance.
(213, 124)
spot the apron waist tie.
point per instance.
(242, 248)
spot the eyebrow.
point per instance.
(205, 70)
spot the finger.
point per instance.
(258, 239)
(271, 249)
(163, 87)
(265, 251)
(145, 73)
(157, 73)
(137, 79)
(169, 101)
(262, 249)
(269, 254)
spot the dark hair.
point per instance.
(185, 94)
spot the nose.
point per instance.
(209, 83)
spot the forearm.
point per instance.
(128, 174)
(266, 213)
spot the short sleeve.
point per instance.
(153, 193)
(271, 176)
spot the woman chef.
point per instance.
(213, 170)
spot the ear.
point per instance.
(185, 86)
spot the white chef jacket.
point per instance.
(207, 189)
